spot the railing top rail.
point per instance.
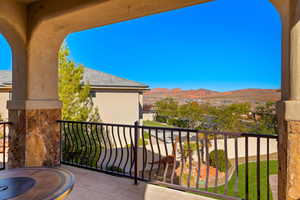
(234, 134)
(95, 123)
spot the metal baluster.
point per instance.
(182, 159)
(89, 146)
(71, 143)
(122, 149)
(105, 146)
(167, 155)
(131, 151)
(207, 162)
(99, 145)
(80, 143)
(136, 138)
(67, 144)
(93, 148)
(116, 146)
(258, 168)
(174, 157)
(247, 169)
(110, 147)
(268, 168)
(76, 142)
(165, 142)
(159, 153)
(226, 165)
(152, 151)
(236, 185)
(190, 159)
(85, 144)
(127, 148)
(216, 161)
(144, 154)
(199, 160)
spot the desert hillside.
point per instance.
(213, 97)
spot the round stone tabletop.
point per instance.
(35, 183)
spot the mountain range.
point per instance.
(213, 97)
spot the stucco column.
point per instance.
(288, 109)
(34, 136)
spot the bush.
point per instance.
(146, 135)
(178, 123)
(162, 119)
(221, 160)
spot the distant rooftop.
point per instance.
(93, 77)
(100, 79)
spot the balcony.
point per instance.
(95, 185)
(116, 161)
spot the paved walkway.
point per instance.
(95, 185)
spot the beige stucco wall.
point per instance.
(149, 116)
(4, 97)
(118, 107)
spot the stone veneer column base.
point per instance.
(34, 138)
(289, 157)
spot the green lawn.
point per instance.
(252, 181)
(157, 124)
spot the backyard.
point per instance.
(252, 181)
(156, 124)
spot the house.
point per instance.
(119, 100)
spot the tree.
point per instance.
(193, 112)
(228, 118)
(73, 92)
(266, 121)
(167, 107)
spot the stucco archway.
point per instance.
(35, 31)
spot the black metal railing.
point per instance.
(217, 164)
(3, 143)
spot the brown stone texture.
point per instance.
(289, 157)
(34, 138)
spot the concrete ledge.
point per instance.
(34, 104)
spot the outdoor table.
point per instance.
(35, 184)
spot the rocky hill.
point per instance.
(213, 97)
(180, 95)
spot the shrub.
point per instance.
(189, 148)
(162, 119)
(146, 135)
(221, 160)
(178, 123)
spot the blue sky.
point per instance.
(221, 45)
